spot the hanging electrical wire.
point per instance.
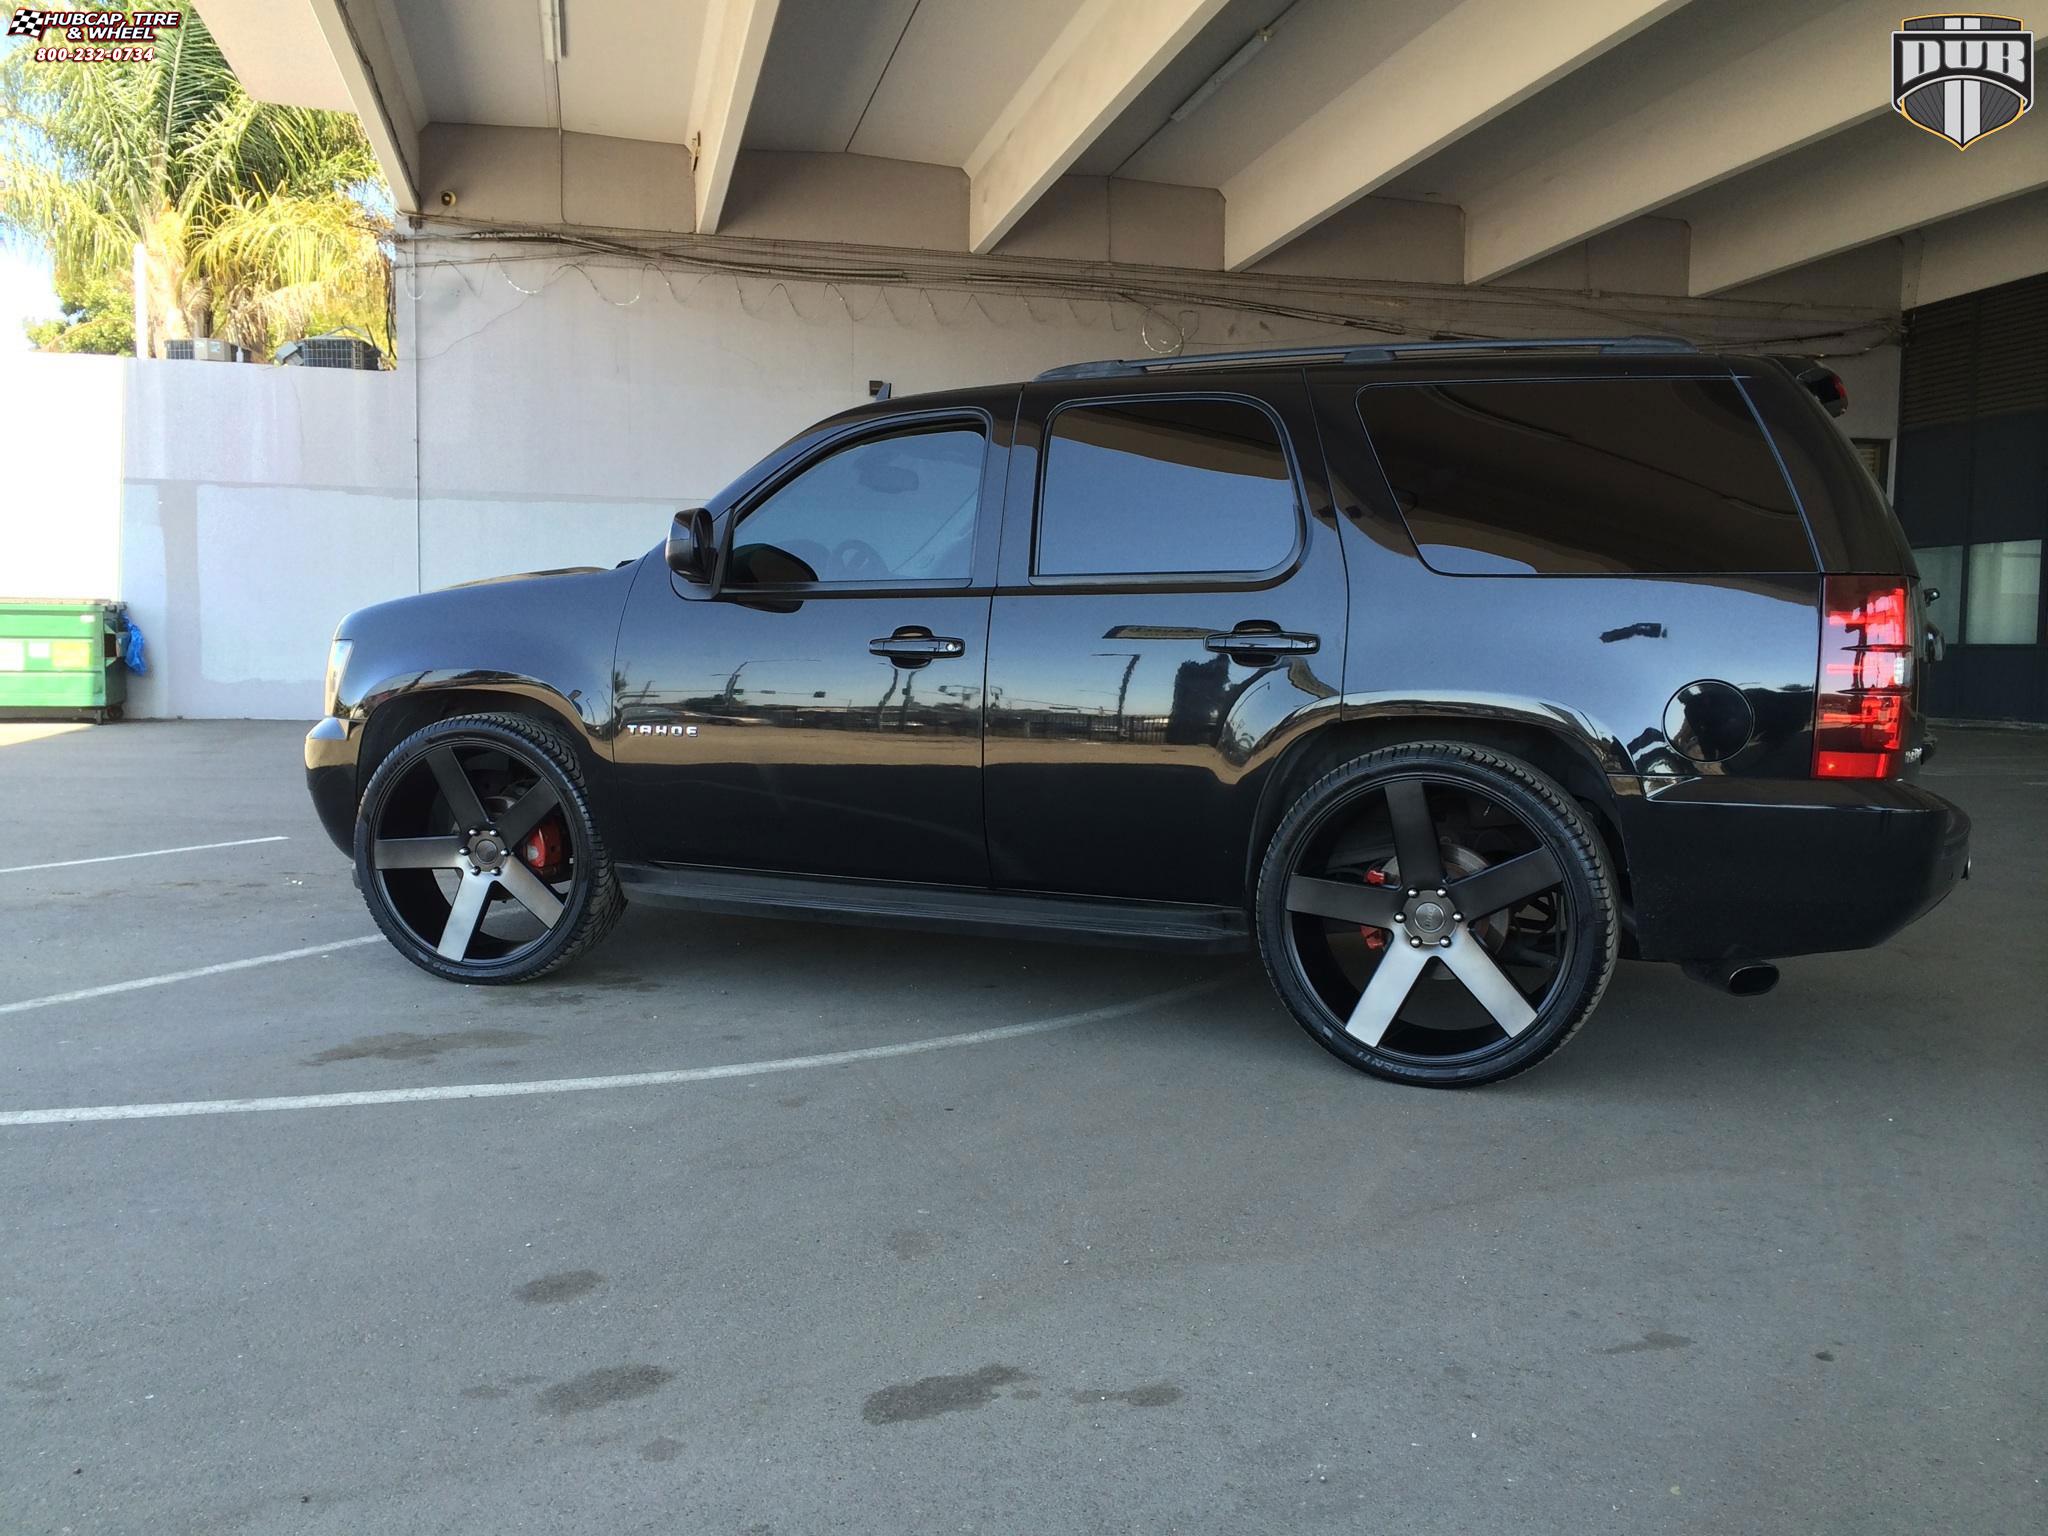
(1167, 306)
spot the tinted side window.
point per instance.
(1163, 487)
(1584, 476)
(899, 507)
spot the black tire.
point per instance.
(1331, 879)
(433, 881)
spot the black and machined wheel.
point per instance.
(1437, 914)
(477, 854)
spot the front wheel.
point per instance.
(1437, 914)
(476, 852)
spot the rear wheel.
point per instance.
(1437, 914)
(477, 854)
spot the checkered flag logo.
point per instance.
(26, 24)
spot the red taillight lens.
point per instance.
(1860, 722)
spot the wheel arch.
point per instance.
(395, 714)
(1573, 762)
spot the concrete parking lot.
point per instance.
(1154, 1264)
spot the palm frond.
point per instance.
(272, 255)
(248, 212)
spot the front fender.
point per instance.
(542, 646)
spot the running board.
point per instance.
(938, 908)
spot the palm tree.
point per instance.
(243, 219)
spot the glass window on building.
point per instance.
(2004, 606)
(1942, 571)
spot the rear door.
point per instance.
(822, 713)
(1621, 547)
(1172, 605)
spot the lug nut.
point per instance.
(1400, 917)
(1441, 891)
(1457, 917)
(1443, 943)
(1415, 943)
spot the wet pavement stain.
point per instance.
(625, 983)
(661, 1448)
(38, 1381)
(1654, 1339)
(565, 1286)
(933, 1395)
(1155, 1395)
(607, 1384)
(406, 1046)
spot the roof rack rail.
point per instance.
(1384, 352)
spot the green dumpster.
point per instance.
(61, 657)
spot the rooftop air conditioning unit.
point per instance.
(203, 349)
(337, 351)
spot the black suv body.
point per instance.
(1614, 644)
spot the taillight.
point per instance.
(1861, 716)
(1827, 387)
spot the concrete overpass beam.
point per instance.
(728, 72)
(1106, 55)
(1476, 62)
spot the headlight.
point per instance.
(337, 663)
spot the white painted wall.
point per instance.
(258, 506)
(547, 415)
(61, 475)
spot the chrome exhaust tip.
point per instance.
(1738, 978)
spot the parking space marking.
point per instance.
(147, 853)
(592, 1084)
(194, 974)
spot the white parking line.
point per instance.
(148, 853)
(592, 1084)
(192, 975)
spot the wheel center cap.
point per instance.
(1428, 919)
(486, 850)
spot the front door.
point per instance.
(1169, 620)
(822, 712)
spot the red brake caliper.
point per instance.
(1375, 938)
(546, 848)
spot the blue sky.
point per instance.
(25, 293)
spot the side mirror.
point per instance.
(691, 553)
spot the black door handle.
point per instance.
(1254, 645)
(914, 647)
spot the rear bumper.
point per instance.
(331, 778)
(1727, 869)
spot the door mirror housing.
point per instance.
(692, 552)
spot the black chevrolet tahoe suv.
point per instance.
(1444, 674)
